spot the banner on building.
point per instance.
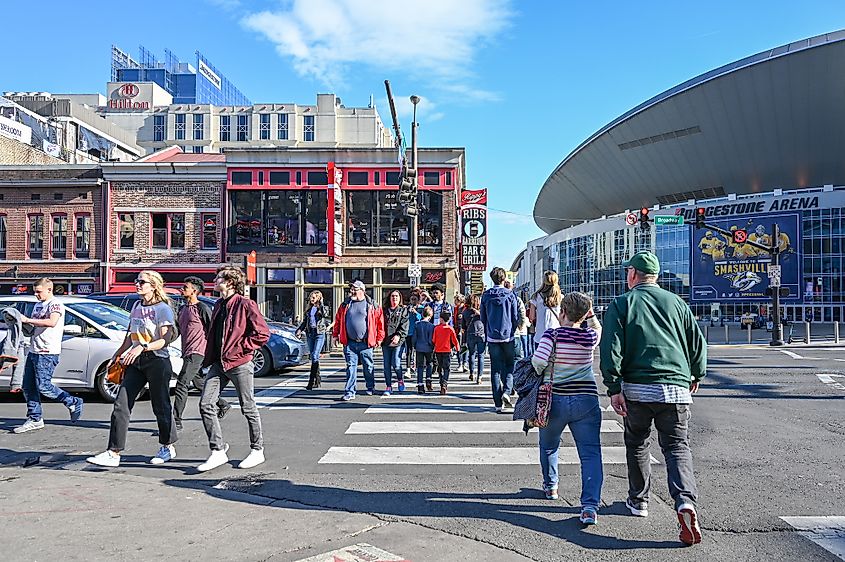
(334, 210)
(725, 270)
(14, 130)
(473, 213)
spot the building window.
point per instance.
(281, 218)
(308, 128)
(431, 178)
(35, 234)
(197, 149)
(264, 126)
(279, 178)
(282, 127)
(199, 126)
(448, 178)
(82, 247)
(318, 178)
(358, 178)
(2, 237)
(168, 230)
(58, 237)
(377, 219)
(225, 128)
(243, 128)
(159, 127)
(391, 178)
(241, 178)
(180, 126)
(209, 231)
(126, 231)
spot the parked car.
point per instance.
(283, 349)
(93, 333)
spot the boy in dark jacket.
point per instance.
(500, 316)
(423, 340)
(445, 340)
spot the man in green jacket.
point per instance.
(653, 356)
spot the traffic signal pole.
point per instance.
(774, 251)
(415, 179)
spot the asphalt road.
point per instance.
(767, 435)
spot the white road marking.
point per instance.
(459, 455)
(429, 409)
(468, 395)
(418, 427)
(790, 353)
(830, 380)
(361, 552)
(837, 359)
(827, 531)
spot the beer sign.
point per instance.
(473, 213)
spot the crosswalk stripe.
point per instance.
(439, 408)
(459, 455)
(468, 395)
(419, 427)
(826, 531)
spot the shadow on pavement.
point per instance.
(415, 504)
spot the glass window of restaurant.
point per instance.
(276, 219)
(279, 295)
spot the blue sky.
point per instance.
(518, 83)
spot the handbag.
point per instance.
(115, 372)
(544, 392)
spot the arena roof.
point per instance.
(772, 120)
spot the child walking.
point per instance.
(445, 340)
(423, 343)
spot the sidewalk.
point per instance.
(114, 516)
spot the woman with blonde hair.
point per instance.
(147, 362)
(316, 323)
(544, 307)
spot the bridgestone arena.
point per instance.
(758, 144)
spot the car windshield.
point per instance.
(106, 315)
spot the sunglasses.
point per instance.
(141, 281)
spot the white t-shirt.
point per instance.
(145, 323)
(547, 318)
(48, 341)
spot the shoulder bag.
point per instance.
(544, 393)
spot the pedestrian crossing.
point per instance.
(409, 429)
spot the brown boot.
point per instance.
(428, 386)
(442, 389)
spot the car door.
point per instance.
(72, 369)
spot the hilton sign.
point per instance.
(123, 97)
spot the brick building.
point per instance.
(164, 214)
(277, 203)
(50, 226)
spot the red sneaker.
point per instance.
(688, 518)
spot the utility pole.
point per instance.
(408, 184)
(773, 250)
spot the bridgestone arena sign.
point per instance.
(474, 230)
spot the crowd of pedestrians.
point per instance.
(652, 358)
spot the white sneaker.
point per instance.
(255, 457)
(215, 459)
(29, 425)
(166, 453)
(106, 458)
(508, 401)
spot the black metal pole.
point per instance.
(777, 327)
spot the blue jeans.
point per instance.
(583, 416)
(392, 364)
(501, 369)
(424, 366)
(527, 349)
(476, 354)
(37, 382)
(354, 352)
(315, 345)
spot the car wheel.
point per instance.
(107, 390)
(262, 361)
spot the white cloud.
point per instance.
(436, 39)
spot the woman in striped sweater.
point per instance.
(575, 400)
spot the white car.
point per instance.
(93, 332)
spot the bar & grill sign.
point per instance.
(474, 230)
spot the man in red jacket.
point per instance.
(236, 330)
(359, 326)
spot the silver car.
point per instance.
(93, 332)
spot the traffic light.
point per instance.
(644, 221)
(699, 217)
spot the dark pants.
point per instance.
(444, 359)
(189, 376)
(38, 382)
(424, 361)
(476, 354)
(242, 378)
(671, 423)
(501, 369)
(147, 369)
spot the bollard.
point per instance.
(836, 332)
(706, 333)
(807, 332)
(749, 333)
(727, 335)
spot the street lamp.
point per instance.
(414, 180)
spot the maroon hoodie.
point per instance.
(244, 331)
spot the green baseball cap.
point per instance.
(645, 262)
